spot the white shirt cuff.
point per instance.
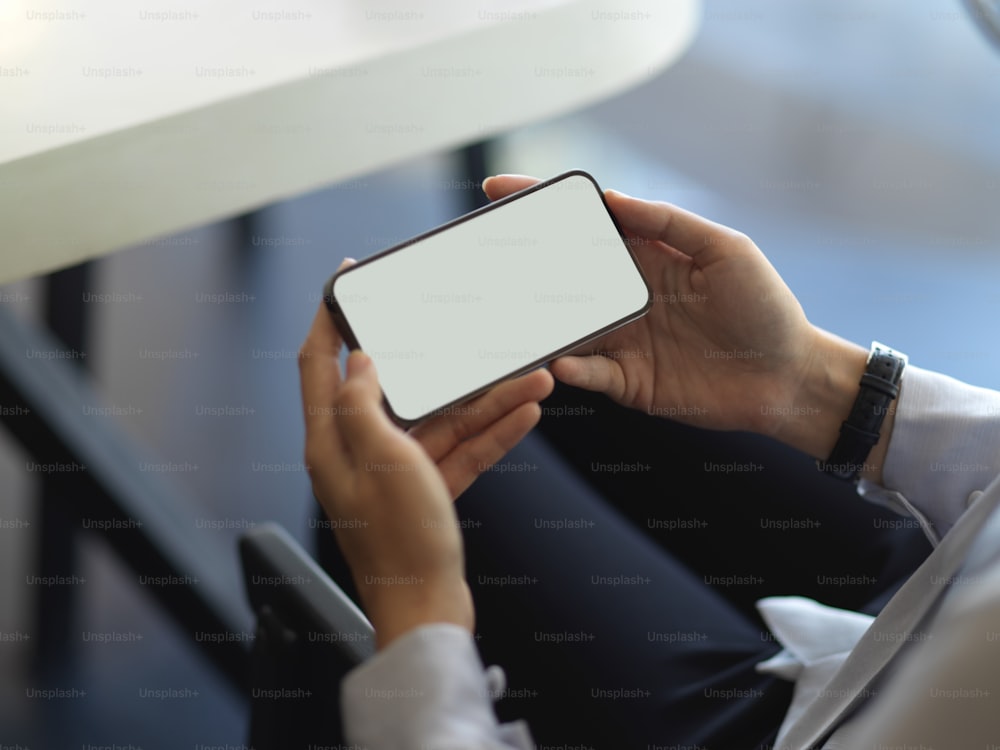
(428, 690)
(945, 447)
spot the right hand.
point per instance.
(726, 344)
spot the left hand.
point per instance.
(388, 492)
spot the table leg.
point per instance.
(98, 476)
(56, 553)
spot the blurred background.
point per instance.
(857, 144)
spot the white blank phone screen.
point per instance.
(470, 305)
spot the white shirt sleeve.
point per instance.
(428, 690)
(944, 449)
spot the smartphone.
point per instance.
(489, 296)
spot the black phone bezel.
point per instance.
(343, 326)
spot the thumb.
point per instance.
(500, 186)
(361, 421)
(594, 373)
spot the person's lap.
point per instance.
(606, 640)
(734, 511)
(736, 506)
(563, 535)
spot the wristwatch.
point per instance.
(860, 431)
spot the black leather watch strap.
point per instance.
(860, 431)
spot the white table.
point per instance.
(120, 121)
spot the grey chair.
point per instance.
(309, 634)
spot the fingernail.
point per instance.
(498, 176)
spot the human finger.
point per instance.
(500, 186)
(441, 434)
(477, 455)
(594, 373)
(361, 422)
(319, 377)
(702, 240)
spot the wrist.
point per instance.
(822, 396)
(397, 606)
